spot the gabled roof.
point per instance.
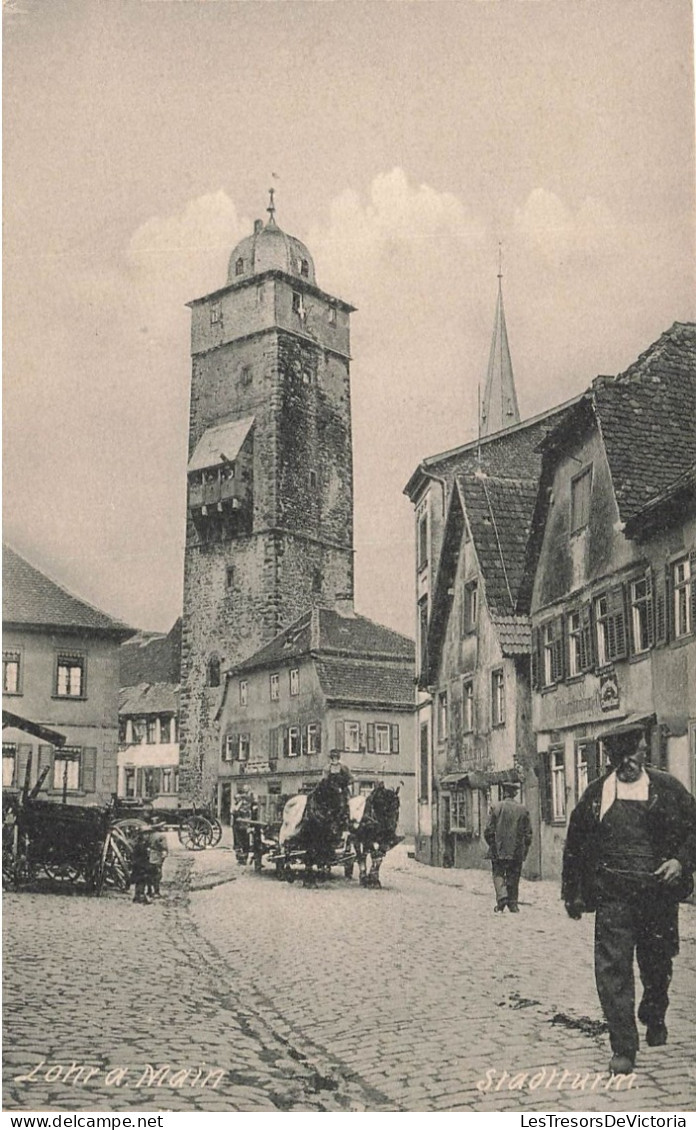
(32, 599)
(151, 657)
(149, 698)
(326, 631)
(499, 512)
(360, 681)
(647, 417)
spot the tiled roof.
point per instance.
(514, 450)
(514, 634)
(324, 630)
(149, 698)
(647, 417)
(500, 514)
(30, 597)
(151, 657)
(360, 681)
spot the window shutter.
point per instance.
(273, 745)
(630, 636)
(692, 563)
(394, 737)
(586, 649)
(318, 737)
(156, 781)
(616, 623)
(361, 737)
(669, 604)
(544, 788)
(304, 741)
(139, 782)
(89, 770)
(536, 664)
(340, 736)
(592, 755)
(24, 753)
(558, 650)
(660, 602)
(370, 737)
(649, 607)
(286, 742)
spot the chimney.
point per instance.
(258, 226)
(343, 604)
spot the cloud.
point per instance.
(551, 229)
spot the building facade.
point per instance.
(60, 670)
(613, 570)
(270, 483)
(332, 681)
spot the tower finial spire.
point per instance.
(500, 260)
(499, 409)
(271, 205)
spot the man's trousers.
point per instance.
(647, 925)
(506, 880)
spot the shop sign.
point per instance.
(609, 691)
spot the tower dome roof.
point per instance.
(269, 248)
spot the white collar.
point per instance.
(614, 789)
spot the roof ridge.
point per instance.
(73, 596)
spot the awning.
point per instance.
(220, 444)
(480, 778)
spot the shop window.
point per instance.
(70, 676)
(458, 811)
(580, 492)
(11, 672)
(558, 784)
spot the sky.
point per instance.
(408, 140)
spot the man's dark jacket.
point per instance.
(671, 817)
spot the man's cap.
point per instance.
(335, 753)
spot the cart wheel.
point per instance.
(196, 833)
(114, 865)
(217, 832)
(61, 871)
(130, 827)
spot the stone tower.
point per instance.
(270, 478)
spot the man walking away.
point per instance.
(508, 834)
(629, 855)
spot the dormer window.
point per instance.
(332, 315)
(304, 268)
(239, 267)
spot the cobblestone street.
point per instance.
(275, 997)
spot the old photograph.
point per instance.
(349, 558)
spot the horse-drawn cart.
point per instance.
(67, 843)
(196, 826)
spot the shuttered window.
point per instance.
(641, 620)
(552, 639)
(610, 615)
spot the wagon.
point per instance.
(67, 843)
(196, 826)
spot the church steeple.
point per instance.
(499, 409)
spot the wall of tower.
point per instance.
(239, 592)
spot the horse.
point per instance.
(315, 825)
(373, 830)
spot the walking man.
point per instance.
(508, 834)
(158, 850)
(629, 855)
